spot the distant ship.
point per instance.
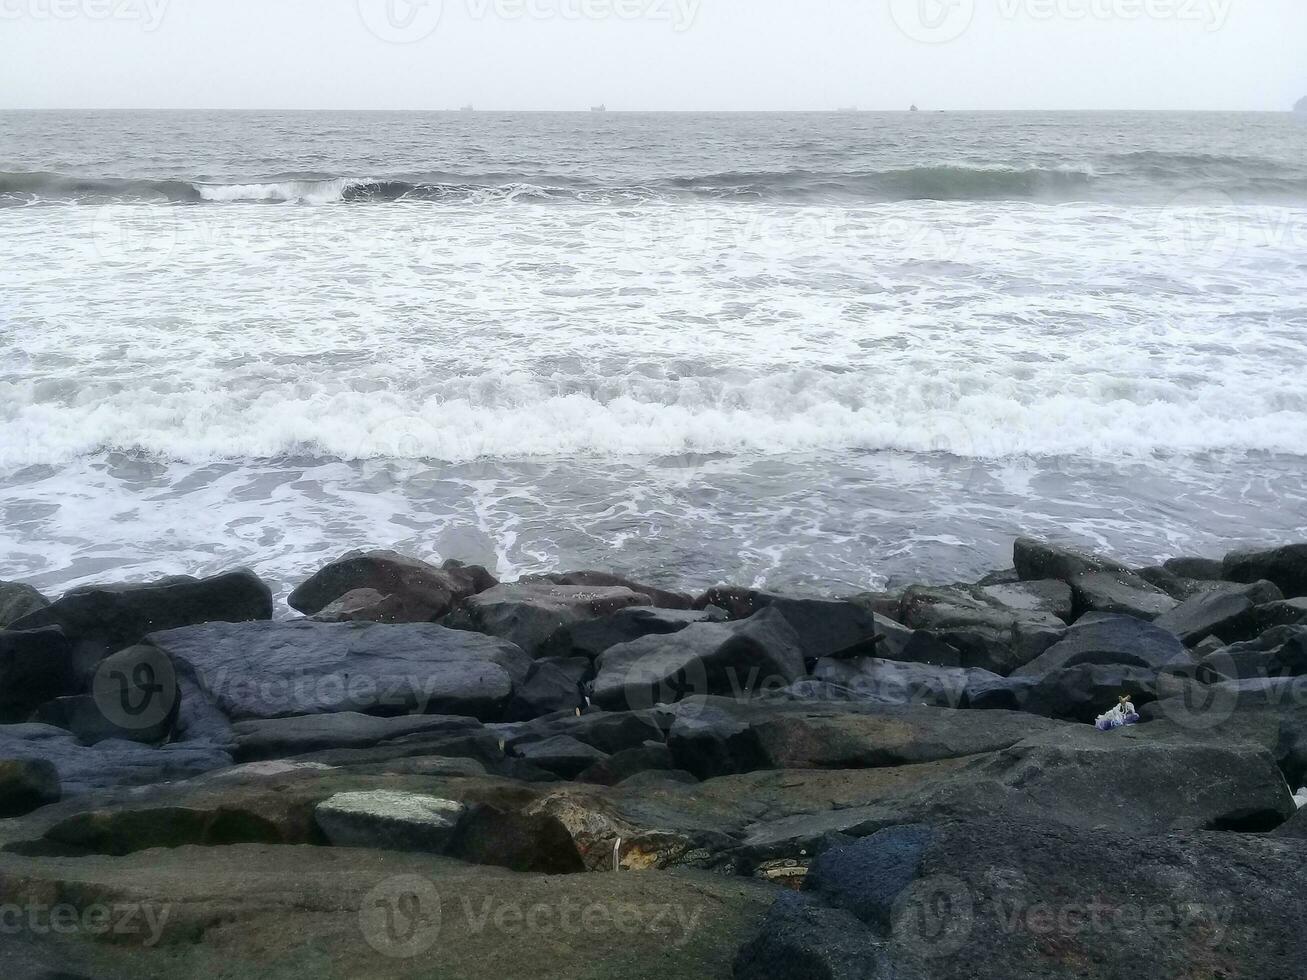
(599, 108)
(468, 108)
(1301, 106)
(914, 109)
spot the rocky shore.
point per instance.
(428, 772)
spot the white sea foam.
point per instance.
(307, 191)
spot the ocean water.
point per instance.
(823, 352)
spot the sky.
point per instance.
(653, 54)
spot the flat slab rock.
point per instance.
(535, 615)
(1107, 638)
(997, 899)
(408, 590)
(275, 738)
(274, 670)
(389, 820)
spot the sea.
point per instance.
(818, 353)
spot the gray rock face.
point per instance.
(996, 899)
(1103, 638)
(369, 606)
(562, 755)
(988, 635)
(1119, 592)
(537, 617)
(552, 684)
(1258, 659)
(279, 738)
(893, 682)
(592, 637)
(716, 736)
(103, 619)
(1050, 596)
(707, 658)
(1227, 614)
(109, 764)
(417, 592)
(1035, 560)
(826, 627)
(1082, 693)
(35, 667)
(1202, 569)
(18, 600)
(389, 821)
(1286, 567)
(27, 785)
(661, 598)
(274, 670)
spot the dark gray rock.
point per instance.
(271, 670)
(538, 617)
(418, 592)
(1229, 614)
(994, 899)
(27, 785)
(894, 682)
(1050, 596)
(610, 732)
(1118, 592)
(717, 736)
(109, 764)
(280, 738)
(1104, 638)
(552, 684)
(103, 619)
(1035, 560)
(826, 627)
(661, 598)
(1295, 827)
(708, 658)
(562, 755)
(592, 637)
(35, 666)
(1201, 569)
(1084, 692)
(18, 600)
(620, 767)
(1257, 659)
(1286, 567)
(370, 606)
(987, 634)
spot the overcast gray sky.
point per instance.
(654, 54)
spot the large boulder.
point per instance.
(707, 658)
(718, 736)
(894, 682)
(1036, 560)
(1104, 638)
(1083, 692)
(103, 619)
(537, 616)
(661, 598)
(279, 738)
(826, 627)
(1286, 567)
(417, 592)
(389, 821)
(1229, 614)
(1051, 596)
(1118, 592)
(26, 785)
(273, 670)
(552, 684)
(1273, 655)
(592, 637)
(995, 899)
(18, 600)
(35, 666)
(1199, 569)
(109, 764)
(988, 634)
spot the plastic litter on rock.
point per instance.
(1120, 716)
